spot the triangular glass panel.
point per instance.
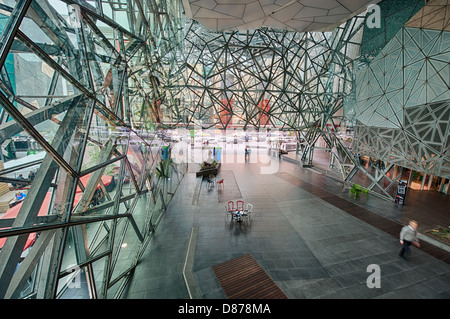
(127, 243)
(129, 179)
(36, 200)
(65, 119)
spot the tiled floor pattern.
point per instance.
(311, 243)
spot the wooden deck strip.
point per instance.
(243, 278)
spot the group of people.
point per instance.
(31, 176)
(19, 196)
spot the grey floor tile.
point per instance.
(309, 247)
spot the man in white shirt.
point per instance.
(408, 236)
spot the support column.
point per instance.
(410, 178)
(395, 172)
(310, 155)
(430, 180)
(423, 181)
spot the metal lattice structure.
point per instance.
(271, 78)
(403, 96)
(87, 84)
(324, 84)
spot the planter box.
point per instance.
(209, 171)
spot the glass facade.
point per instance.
(88, 89)
(79, 92)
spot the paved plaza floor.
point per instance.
(309, 245)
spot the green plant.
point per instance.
(441, 232)
(207, 165)
(32, 152)
(163, 168)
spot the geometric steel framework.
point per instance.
(420, 144)
(274, 78)
(296, 80)
(78, 83)
(319, 84)
(86, 86)
(412, 69)
(436, 17)
(403, 97)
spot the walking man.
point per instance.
(408, 236)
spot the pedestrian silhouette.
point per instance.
(408, 236)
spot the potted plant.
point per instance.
(207, 168)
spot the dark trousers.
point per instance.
(405, 248)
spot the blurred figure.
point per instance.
(18, 185)
(20, 195)
(408, 236)
(31, 176)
